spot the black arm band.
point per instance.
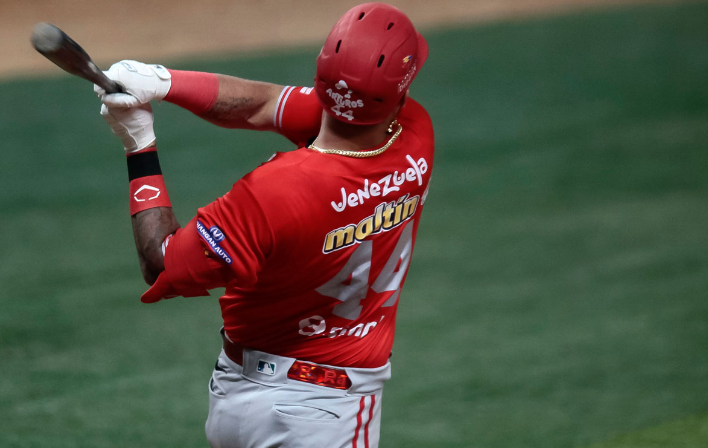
(143, 164)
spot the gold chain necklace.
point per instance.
(362, 154)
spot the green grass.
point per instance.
(557, 296)
(687, 433)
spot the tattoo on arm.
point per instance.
(244, 104)
(150, 227)
(229, 109)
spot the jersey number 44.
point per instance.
(351, 285)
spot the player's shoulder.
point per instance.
(279, 172)
(271, 187)
(415, 109)
(281, 164)
(414, 118)
(415, 113)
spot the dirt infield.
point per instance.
(164, 30)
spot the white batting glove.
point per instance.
(143, 83)
(133, 125)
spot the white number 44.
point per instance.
(349, 115)
(357, 268)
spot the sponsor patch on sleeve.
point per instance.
(216, 233)
(213, 236)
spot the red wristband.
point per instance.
(194, 91)
(147, 186)
(148, 192)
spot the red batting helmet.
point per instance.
(367, 63)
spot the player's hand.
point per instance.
(134, 125)
(143, 83)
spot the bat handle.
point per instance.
(104, 81)
(113, 87)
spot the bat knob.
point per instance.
(46, 37)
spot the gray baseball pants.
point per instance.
(257, 406)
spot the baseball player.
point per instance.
(312, 246)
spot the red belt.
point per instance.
(300, 370)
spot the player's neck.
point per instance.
(335, 134)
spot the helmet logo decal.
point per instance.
(408, 78)
(344, 102)
(407, 59)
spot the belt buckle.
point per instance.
(319, 375)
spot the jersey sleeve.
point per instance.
(298, 114)
(226, 244)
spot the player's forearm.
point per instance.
(150, 210)
(150, 228)
(226, 101)
(244, 104)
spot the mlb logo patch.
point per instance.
(265, 367)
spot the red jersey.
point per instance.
(313, 248)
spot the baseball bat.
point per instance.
(55, 45)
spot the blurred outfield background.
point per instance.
(558, 295)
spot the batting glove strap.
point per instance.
(133, 125)
(143, 83)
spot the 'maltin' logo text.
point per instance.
(386, 217)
